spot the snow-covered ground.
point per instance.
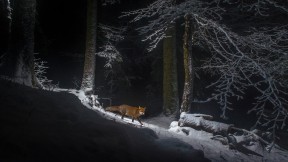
(37, 125)
(165, 128)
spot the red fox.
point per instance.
(134, 112)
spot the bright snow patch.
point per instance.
(201, 140)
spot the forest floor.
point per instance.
(166, 127)
(39, 125)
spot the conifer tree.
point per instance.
(170, 74)
(19, 64)
(90, 62)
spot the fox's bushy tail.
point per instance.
(112, 108)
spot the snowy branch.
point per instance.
(162, 13)
(260, 7)
(108, 50)
(256, 58)
(40, 74)
(110, 53)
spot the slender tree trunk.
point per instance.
(170, 75)
(90, 62)
(20, 58)
(3, 32)
(188, 66)
(6, 14)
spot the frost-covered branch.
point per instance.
(258, 60)
(109, 51)
(7, 7)
(162, 13)
(111, 54)
(7, 12)
(255, 58)
(260, 7)
(43, 82)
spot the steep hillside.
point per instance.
(54, 126)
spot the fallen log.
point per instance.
(202, 122)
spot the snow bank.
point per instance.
(38, 125)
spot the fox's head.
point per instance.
(141, 110)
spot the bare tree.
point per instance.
(254, 57)
(108, 50)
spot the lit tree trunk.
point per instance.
(89, 63)
(188, 67)
(170, 75)
(20, 59)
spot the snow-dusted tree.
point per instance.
(112, 36)
(89, 62)
(40, 69)
(188, 65)
(170, 74)
(109, 51)
(163, 14)
(254, 57)
(19, 64)
(88, 80)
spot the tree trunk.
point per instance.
(5, 18)
(188, 67)
(90, 62)
(20, 58)
(170, 75)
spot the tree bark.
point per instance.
(203, 122)
(90, 62)
(170, 75)
(188, 67)
(20, 59)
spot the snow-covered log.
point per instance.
(203, 122)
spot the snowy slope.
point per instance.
(39, 125)
(213, 150)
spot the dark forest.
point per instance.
(143, 80)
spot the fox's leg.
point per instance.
(122, 116)
(132, 119)
(139, 121)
